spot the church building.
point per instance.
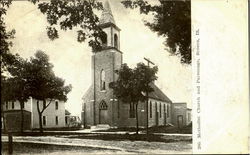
(100, 106)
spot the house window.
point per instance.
(150, 109)
(160, 110)
(132, 110)
(115, 41)
(6, 106)
(13, 105)
(56, 105)
(56, 120)
(66, 120)
(168, 110)
(102, 80)
(44, 120)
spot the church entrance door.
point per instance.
(180, 121)
(103, 112)
(103, 116)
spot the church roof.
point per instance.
(88, 94)
(107, 16)
(158, 94)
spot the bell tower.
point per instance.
(104, 64)
(111, 38)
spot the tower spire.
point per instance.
(107, 16)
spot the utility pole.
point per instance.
(149, 62)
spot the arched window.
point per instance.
(115, 41)
(104, 39)
(102, 80)
(160, 110)
(103, 105)
(164, 109)
(168, 110)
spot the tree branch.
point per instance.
(46, 105)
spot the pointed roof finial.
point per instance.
(107, 16)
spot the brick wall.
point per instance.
(108, 60)
(179, 110)
(156, 106)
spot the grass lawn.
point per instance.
(171, 129)
(155, 129)
(133, 137)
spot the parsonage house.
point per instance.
(52, 117)
(100, 106)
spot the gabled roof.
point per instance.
(107, 16)
(158, 94)
(88, 95)
(67, 112)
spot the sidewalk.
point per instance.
(97, 131)
(123, 146)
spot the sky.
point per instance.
(72, 60)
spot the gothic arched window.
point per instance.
(150, 109)
(102, 80)
(103, 105)
(104, 39)
(115, 41)
(160, 110)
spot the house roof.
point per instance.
(67, 112)
(158, 94)
(107, 16)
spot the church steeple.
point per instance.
(107, 16)
(111, 36)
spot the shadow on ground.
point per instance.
(36, 148)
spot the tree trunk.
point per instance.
(4, 121)
(40, 117)
(40, 122)
(136, 115)
(22, 117)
